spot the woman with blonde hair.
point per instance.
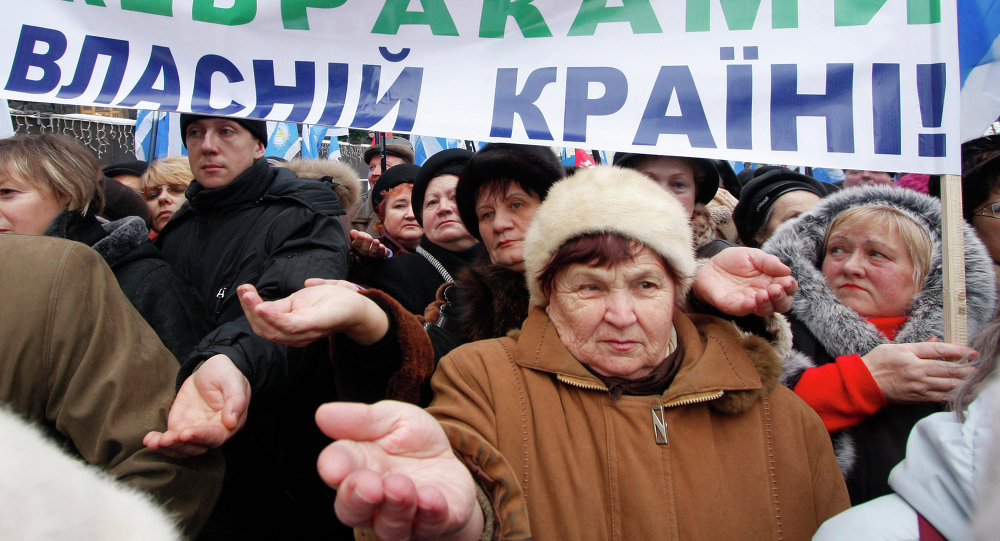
(163, 187)
(867, 322)
(51, 185)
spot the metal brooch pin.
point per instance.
(659, 425)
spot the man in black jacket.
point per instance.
(246, 222)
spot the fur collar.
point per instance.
(124, 236)
(113, 240)
(342, 177)
(492, 300)
(841, 330)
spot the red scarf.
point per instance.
(889, 326)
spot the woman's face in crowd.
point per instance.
(871, 272)
(859, 177)
(616, 320)
(25, 208)
(399, 220)
(673, 174)
(788, 206)
(442, 225)
(988, 227)
(503, 220)
(163, 202)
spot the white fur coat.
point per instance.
(46, 494)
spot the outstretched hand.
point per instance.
(394, 471)
(209, 408)
(365, 245)
(918, 372)
(323, 308)
(742, 281)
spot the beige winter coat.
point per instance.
(744, 458)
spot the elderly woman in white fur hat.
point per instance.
(612, 414)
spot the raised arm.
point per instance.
(209, 408)
(395, 472)
(324, 308)
(742, 281)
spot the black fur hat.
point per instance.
(706, 185)
(394, 176)
(534, 168)
(133, 167)
(447, 162)
(766, 186)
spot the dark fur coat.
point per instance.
(492, 301)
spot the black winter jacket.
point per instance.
(168, 304)
(412, 280)
(267, 228)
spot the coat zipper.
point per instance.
(687, 400)
(220, 296)
(583, 384)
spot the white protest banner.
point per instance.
(870, 84)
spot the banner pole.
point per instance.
(953, 254)
(380, 136)
(154, 127)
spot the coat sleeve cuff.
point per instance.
(843, 392)
(407, 384)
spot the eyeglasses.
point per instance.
(992, 210)
(176, 190)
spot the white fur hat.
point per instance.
(607, 199)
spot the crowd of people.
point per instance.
(499, 346)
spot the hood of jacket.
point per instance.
(721, 365)
(126, 240)
(343, 178)
(116, 241)
(799, 244)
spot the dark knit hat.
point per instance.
(980, 163)
(535, 168)
(394, 146)
(766, 186)
(447, 162)
(134, 167)
(394, 176)
(705, 189)
(257, 128)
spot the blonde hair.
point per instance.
(57, 163)
(882, 218)
(172, 171)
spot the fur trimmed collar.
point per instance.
(841, 331)
(113, 240)
(492, 300)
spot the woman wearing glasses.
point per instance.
(163, 187)
(981, 192)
